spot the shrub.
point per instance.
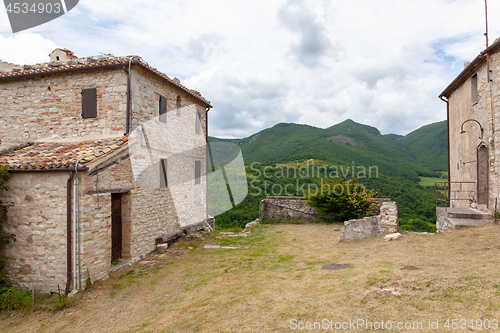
(344, 199)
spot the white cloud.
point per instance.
(25, 48)
(382, 63)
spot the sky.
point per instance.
(262, 62)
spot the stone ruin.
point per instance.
(296, 210)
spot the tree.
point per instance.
(345, 199)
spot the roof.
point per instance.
(68, 52)
(95, 62)
(470, 69)
(59, 155)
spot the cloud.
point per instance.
(381, 63)
(25, 48)
(202, 47)
(312, 45)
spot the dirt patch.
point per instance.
(342, 139)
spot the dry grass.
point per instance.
(276, 277)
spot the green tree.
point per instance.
(345, 199)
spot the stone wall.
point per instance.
(36, 216)
(289, 209)
(463, 146)
(383, 224)
(296, 209)
(146, 212)
(50, 106)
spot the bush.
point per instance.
(12, 299)
(344, 199)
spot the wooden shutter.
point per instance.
(163, 109)
(473, 88)
(197, 172)
(163, 173)
(89, 103)
(198, 123)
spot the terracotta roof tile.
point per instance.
(94, 62)
(56, 155)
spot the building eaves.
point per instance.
(59, 155)
(470, 69)
(92, 63)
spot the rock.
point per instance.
(250, 225)
(73, 293)
(392, 236)
(385, 291)
(195, 236)
(162, 248)
(216, 246)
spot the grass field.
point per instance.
(274, 280)
(429, 181)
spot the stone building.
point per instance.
(105, 155)
(473, 109)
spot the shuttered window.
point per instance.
(163, 173)
(89, 103)
(197, 172)
(473, 88)
(198, 123)
(163, 109)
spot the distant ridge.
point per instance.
(420, 153)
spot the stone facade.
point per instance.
(473, 100)
(43, 104)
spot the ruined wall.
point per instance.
(289, 209)
(463, 146)
(37, 217)
(385, 223)
(296, 209)
(50, 106)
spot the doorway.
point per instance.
(116, 226)
(482, 175)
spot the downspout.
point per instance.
(78, 226)
(69, 264)
(448, 129)
(208, 161)
(129, 98)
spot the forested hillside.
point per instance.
(399, 161)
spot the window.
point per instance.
(197, 172)
(162, 109)
(89, 103)
(178, 105)
(163, 173)
(473, 88)
(198, 123)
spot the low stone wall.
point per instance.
(296, 210)
(289, 209)
(384, 223)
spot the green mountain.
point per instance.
(400, 161)
(429, 145)
(352, 144)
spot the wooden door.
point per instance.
(116, 226)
